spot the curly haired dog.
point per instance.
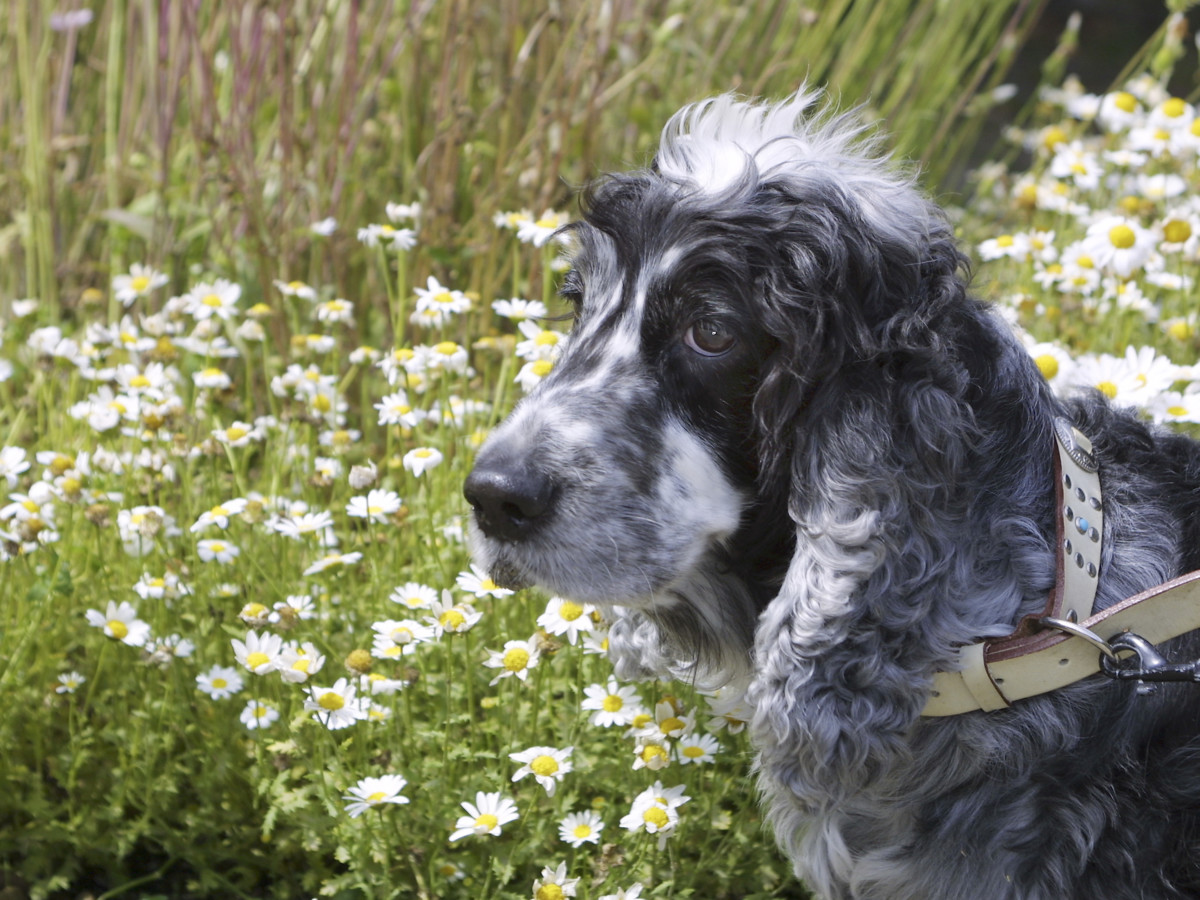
(791, 454)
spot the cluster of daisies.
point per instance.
(205, 486)
(1110, 236)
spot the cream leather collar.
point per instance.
(1065, 643)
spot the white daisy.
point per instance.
(565, 617)
(218, 299)
(554, 883)
(546, 764)
(120, 622)
(258, 714)
(581, 828)
(259, 653)
(481, 585)
(376, 505)
(486, 816)
(140, 281)
(298, 662)
(213, 550)
(220, 682)
(421, 460)
(514, 660)
(336, 707)
(370, 793)
(414, 595)
(696, 748)
(611, 704)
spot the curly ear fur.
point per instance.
(875, 442)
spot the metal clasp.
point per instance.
(1129, 657)
(1145, 665)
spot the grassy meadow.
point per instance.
(268, 275)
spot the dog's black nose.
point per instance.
(509, 500)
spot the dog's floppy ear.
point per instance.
(865, 423)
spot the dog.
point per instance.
(792, 455)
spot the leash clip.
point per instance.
(1146, 665)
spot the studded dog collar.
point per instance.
(1068, 641)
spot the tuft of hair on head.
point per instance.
(727, 148)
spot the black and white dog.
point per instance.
(790, 453)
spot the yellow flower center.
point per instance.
(1085, 262)
(1108, 389)
(235, 432)
(549, 892)
(1122, 237)
(331, 700)
(487, 821)
(217, 547)
(452, 619)
(582, 831)
(542, 367)
(546, 339)
(1174, 108)
(544, 765)
(296, 285)
(257, 659)
(613, 703)
(1047, 365)
(652, 752)
(219, 683)
(1005, 240)
(139, 283)
(253, 610)
(376, 797)
(693, 752)
(1053, 137)
(671, 724)
(61, 464)
(1181, 331)
(548, 222)
(139, 381)
(1176, 231)
(641, 720)
(656, 816)
(570, 611)
(117, 629)
(443, 297)
(1176, 410)
(446, 348)
(211, 300)
(1125, 102)
(516, 659)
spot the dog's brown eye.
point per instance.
(709, 337)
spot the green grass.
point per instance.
(204, 141)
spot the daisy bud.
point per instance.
(359, 661)
(362, 476)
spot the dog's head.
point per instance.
(665, 463)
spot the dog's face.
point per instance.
(632, 461)
(728, 301)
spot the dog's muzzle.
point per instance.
(510, 498)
